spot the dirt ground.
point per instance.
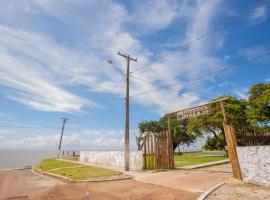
(195, 181)
(240, 191)
(24, 185)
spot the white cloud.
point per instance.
(251, 53)
(50, 64)
(33, 84)
(5, 133)
(242, 93)
(259, 14)
(157, 14)
(82, 139)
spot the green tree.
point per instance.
(259, 106)
(180, 135)
(213, 144)
(213, 123)
(178, 131)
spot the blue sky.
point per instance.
(53, 64)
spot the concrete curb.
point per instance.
(208, 192)
(66, 179)
(21, 168)
(204, 165)
(94, 165)
(42, 175)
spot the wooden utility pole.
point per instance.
(126, 151)
(62, 132)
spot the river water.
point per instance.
(22, 158)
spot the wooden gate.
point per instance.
(158, 151)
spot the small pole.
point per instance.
(62, 132)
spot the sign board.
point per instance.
(193, 112)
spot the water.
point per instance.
(22, 158)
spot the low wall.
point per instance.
(112, 158)
(255, 164)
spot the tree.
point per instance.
(213, 123)
(145, 128)
(259, 106)
(180, 135)
(178, 131)
(213, 144)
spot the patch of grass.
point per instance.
(49, 164)
(74, 171)
(195, 158)
(83, 173)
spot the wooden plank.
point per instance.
(168, 149)
(152, 151)
(144, 155)
(231, 143)
(171, 151)
(155, 151)
(148, 150)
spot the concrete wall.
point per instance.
(112, 158)
(255, 164)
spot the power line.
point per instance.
(163, 87)
(106, 96)
(169, 88)
(196, 79)
(140, 68)
(247, 46)
(116, 67)
(217, 28)
(227, 21)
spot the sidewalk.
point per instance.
(205, 164)
(237, 190)
(196, 179)
(193, 180)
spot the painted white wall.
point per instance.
(255, 164)
(112, 158)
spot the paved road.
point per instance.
(19, 184)
(24, 185)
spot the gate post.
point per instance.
(171, 154)
(232, 143)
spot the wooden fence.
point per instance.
(158, 151)
(253, 138)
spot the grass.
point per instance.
(74, 171)
(86, 172)
(195, 158)
(49, 164)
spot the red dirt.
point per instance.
(25, 185)
(113, 190)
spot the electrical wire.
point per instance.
(106, 96)
(164, 87)
(217, 28)
(227, 21)
(169, 88)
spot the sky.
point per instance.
(53, 64)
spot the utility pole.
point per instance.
(62, 132)
(126, 150)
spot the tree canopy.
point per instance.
(259, 106)
(245, 115)
(178, 131)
